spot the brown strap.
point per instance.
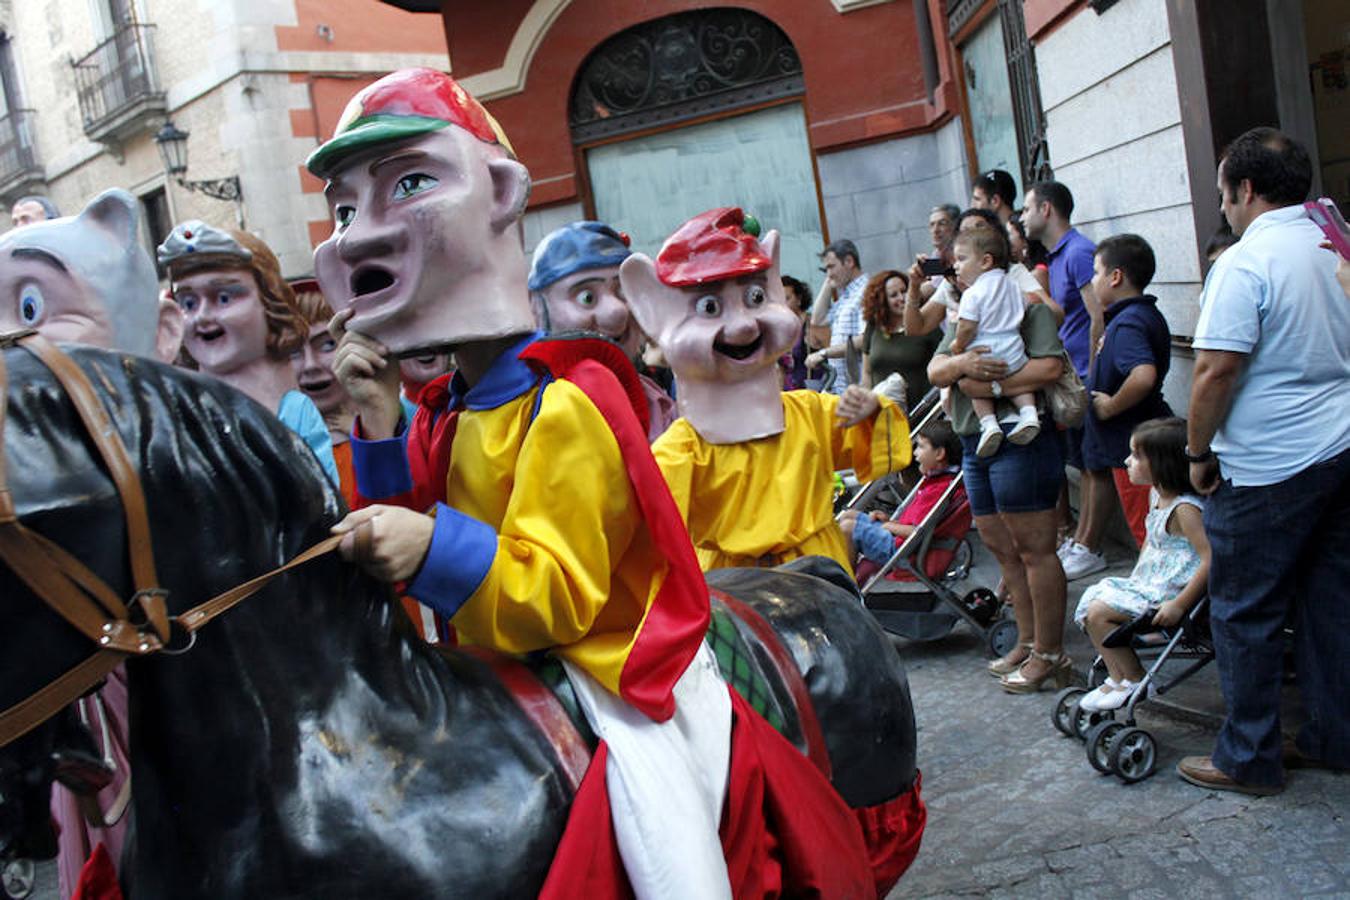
(37, 708)
(110, 447)
(199, 615)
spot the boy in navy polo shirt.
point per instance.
(1125, 380)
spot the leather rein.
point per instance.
(137, 628)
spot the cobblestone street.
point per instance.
(1015, 810)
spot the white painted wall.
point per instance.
(1114, 127)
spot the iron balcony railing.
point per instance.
(17, 157)
(117, 76)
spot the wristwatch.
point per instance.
(996, 389)
(1206, 456)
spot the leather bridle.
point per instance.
(139, 627)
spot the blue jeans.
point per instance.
(1278, 549)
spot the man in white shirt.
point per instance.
(1269, 441)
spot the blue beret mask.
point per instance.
(576, 248)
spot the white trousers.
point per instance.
(667, 782)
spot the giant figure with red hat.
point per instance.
(751, 468)
(551, 529)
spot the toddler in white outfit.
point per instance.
(990, 314)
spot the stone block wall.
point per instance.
(879, 195)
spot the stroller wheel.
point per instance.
(1062, 713)
(1134, 755)
(1001, 637)
(983, 605)
(1099, 743)
(1084, 719)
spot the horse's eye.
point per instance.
(755, 296)
(709, 306)
(31, 304)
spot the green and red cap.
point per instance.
(401, 105)
(713, 246)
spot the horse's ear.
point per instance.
(117, 213)
(648, 299)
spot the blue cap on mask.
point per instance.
(576, 248)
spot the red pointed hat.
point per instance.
(400, 105)
(712, 246)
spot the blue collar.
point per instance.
(1120, 306)
(507, 378)
(1064, 239)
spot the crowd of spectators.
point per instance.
(1268, 441)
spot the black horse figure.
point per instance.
(310, 744)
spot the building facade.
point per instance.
(824, 118)
(88, 83)
(1132, 102)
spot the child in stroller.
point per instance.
(937, 450)
(1173, 567)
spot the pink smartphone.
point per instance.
(1328, 218)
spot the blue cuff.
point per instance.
(461, 553)
(381, 467)
(875, 542)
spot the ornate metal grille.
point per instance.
(959, 12)
(679, 67)
(1026, 93)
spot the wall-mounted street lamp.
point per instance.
(172, 143)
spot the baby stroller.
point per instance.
(910, 595)
(1113, 742)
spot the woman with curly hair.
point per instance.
(887, 348)
(241, 323)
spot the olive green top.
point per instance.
(898, 352)
(1040, 333)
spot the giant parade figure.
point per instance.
(751, 467)
(548, 525)
(574, 279)
(87, 279)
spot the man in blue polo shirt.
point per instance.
(1046, 211)
(1269, 441)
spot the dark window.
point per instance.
(158, 224)
(1024, 92)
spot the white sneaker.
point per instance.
(1079, 561)
(1027, 428)
(1062, 550)
(1092, 700)
(990, 439)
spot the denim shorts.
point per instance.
(1016, 479)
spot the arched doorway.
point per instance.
(692, 111)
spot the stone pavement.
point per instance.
(1015, 810)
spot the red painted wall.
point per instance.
(359, 26)
(864, 78)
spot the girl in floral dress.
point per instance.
(1173, 567)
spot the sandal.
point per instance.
(1005, 666)
(1059, 673)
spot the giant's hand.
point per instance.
(371, 377)
(395, 544)
(855, 404)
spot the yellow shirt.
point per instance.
(575, 567)
(767, 501)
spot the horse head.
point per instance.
(186, 436)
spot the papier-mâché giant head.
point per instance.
(425, 193)
(713, 301)
(88, 279)
(575, 276)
